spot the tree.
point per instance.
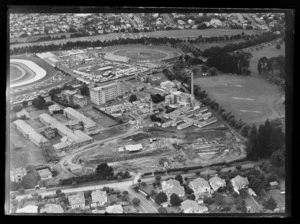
(162, 210)
(58, 192)
(243, 193)
(161, 197)
(270, 204)
(208, 200)
(219, 199)
(17, 108)
(143, 184)
(158, 178)
(193, 197)
(136, 201)
(278, 46)
(39, 102)
(175, 200)
(212, 71)
(188, 190)
(104, 171)
(84, 90)
(24, 104)
(125, 192)
(132, 98)
(197, 173)
(179, 178)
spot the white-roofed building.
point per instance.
(29, 133)
(28, 209)
(98, 198)
(189, 206)
(52, 208)
(77, 200)
(23, 113)
(134, 148)
(200, 187)
(17, 174)
(45, 174)
(89, 125)
(54, 108)
(114, 209)
(216, 183)
(239, 182)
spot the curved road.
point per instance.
(68, 159)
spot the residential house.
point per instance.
(45, 174)
(77, 200)
(28, 209)
(52, 208)
(200, 187)
(169, 184)
(239, 182)
(113, 209)
(189, 206)
(98, 198)
(175, 190)
(216, 183)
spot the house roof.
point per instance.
(114, 209)
(176, 190)
(44, 172)
(199, 183)
(99, 196)
(76, 199)
(239, 181)
(172, 183)
(133, 147)
(216, 182)
(188, 204)
(52, 208)
(28, 209)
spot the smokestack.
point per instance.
(192, 84)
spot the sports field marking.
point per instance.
(20, 69)
(229, 84)
(240, 98)
(252, 111)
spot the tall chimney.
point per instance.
(192, 83)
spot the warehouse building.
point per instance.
(29, 133)
(89, 125)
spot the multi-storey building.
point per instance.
(102, 94)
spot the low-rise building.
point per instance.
(52, 208)
(45, 174)
(77, 200)
(17, 174)
(216, 183)
(80, 100)
(98, 198)
(54, 108)
(200, 187)
(49, 132)
(114, 209)
(189, 206)
(239, 183)
(134, 148)
(28, 209)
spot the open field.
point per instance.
(269, 51)
(279, 198)
(252, 99)
(29, 153)
(101, 119)
(163, 33)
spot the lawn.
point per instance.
(279, 198)
(252, 99)
(29, 153)
(148, 188)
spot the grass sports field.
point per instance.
(252, 99)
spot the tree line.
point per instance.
(102, 172)
(273, 69)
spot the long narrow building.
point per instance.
(77, 137)
(31, 134)
(75, 115)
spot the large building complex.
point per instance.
(75, 115)
(106, 92)
(31, 134)
(74, 98)
(75, 138)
